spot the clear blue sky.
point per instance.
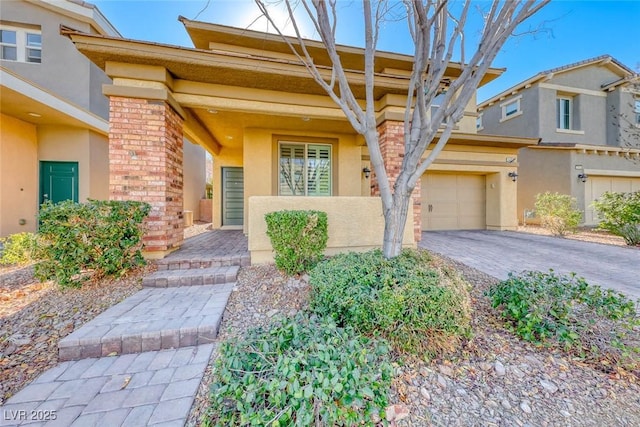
(573, 31)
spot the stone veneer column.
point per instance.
(391, 139)
(145, 164)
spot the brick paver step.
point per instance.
(151, 388)
(152, 319)
(198, 260)
(191, 277)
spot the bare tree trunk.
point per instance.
(395, 220)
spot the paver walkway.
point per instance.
(499, 252)
(155, 347)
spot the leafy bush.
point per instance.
(557, 212)
(620, 215)
(17, 249)
(298, 238)
(300, 372)
(93, 239)
(548, 308)
(418, 308)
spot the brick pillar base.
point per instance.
(145, 164)
(391, 140)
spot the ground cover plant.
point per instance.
(298, 239)
(619, 214)
(557, 212)
(78, 241)
(17, 249)
(300, 371)
(418, 307)
(564, 310)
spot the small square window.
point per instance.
(8, 45)
(511, 108)
(479, 122)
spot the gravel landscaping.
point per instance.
(495, 379)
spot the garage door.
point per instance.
(597, 185)
(453, 202)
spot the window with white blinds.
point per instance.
(305, 169)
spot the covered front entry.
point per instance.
(453, 202)
(596, 186)
(58, 181)
(232, 196)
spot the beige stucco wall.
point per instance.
(501, 191)
(259, 176)
(90, 150)
(18, 175)
(194, 178)
(354, 223)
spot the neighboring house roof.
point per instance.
(625, 73)
(22, 97)
(82, 11)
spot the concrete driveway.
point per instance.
(499, 252)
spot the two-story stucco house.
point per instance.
(54, 117)
(587, 116)
(279, 142)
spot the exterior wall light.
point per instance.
(583, 177)
(513, 176)
(367, 172)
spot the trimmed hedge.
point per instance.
(79, 241)
(298, 238)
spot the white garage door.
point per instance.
(453, 202)
(597, 185)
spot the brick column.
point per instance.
(145, 164)
(391, 139)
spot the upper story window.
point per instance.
(637, 111)
(511, 108)
(305, 169)
(564, 115)
(20, 44)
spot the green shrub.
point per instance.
(418, 308)
(298, 238)
(620, 215)
(547, 308)
(300, 372)
(557, 212)
(89, 240)
(17, 249)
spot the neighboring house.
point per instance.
(54, 118)
(587, 116)
(279, 142)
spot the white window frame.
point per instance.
(6, 44)
(636, 110)
(21, 45)
(305, 168)
(564, 108)
(479, 124)
(517, 112)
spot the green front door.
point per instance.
(58, 181)
(232, 196)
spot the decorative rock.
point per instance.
(446, 370)
(565, 414)
(19, 339)
(397, 412)
(525, 407)
(442, 382)
(499, 368)
(505, 404)
(425, 394)
(549, 386)
(272, 312)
